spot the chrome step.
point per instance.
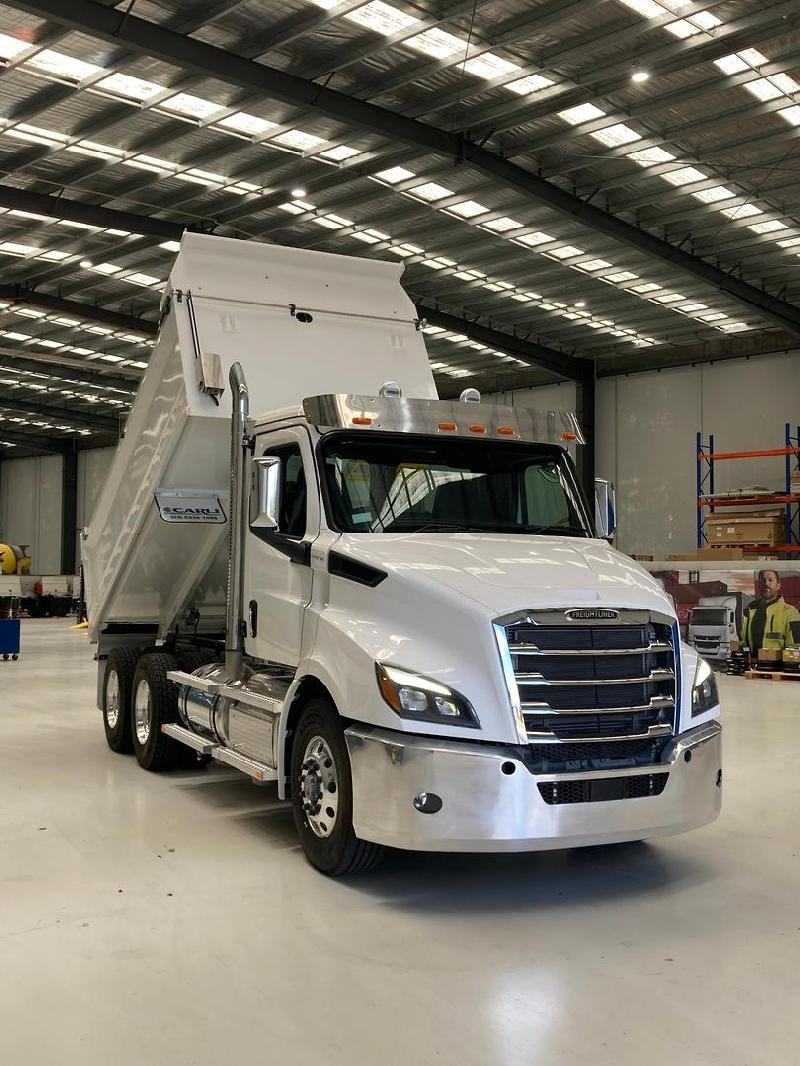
(200, 744)
(202, 684)
(259, 771)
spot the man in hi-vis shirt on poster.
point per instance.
(767, 622)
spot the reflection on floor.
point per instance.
(172, 920)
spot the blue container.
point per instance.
(9, 637)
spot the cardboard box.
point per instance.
(770, 655)
(791, 655)
(730, 530)
(642, 558)
(735, 645)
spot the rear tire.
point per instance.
(322, 795)
(154, 702)
(116, 698)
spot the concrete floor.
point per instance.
(173, 920)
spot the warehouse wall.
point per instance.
(93, 468)
(30, 508)
(30, 502)
(646, 425)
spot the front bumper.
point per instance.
(488, 806)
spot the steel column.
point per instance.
(69, 510)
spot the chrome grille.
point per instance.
(609, 680)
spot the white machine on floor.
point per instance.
(305, 565)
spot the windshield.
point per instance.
(399, 483)
(709, 616)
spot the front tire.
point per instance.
(154, 702)
(322, 795)
(116, 698)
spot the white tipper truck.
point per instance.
(305, 565)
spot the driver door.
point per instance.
(277, 562)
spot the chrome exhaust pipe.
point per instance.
(239, 498)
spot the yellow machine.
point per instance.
(14, 559)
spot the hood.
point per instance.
(507, 572)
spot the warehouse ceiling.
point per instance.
(610, 185)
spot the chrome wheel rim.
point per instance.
(319, 787)
(112, 699)
(142, 711)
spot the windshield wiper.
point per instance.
(439, 527)
(557, 528)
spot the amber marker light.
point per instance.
(569, 436)
(361, 420)
(448, 427)
(505, 431)
(477, 428)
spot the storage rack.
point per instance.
(707, 457)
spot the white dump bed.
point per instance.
(301, 323)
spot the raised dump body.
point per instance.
(299, 322)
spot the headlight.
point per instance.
(704, 690)
(423, 699)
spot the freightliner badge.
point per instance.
(191, 506)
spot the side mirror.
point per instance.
(268, 492)
(605, 508)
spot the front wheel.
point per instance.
(322, 795)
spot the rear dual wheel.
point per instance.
(155, 703)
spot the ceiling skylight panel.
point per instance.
(582, 113)
(684, 176)
(592, 265)
(731, 65)
(768, 227)
(192, 106)
(714, 194)
(791, 115)
(490, 66)
(467, 209)
(60, 65)
(382, 18)
(531, 83)
(131, 88)
(394, 175)
(620, 276)
(304, 142)
(436, 43)
(340, 152)
(250, 125)
(742, 211)
(430, 191)
(533, 240)
(763, 89)
(789, 242)
(647, 8)
(11, 46)
(567, 252)
(650, 157)
(502, 224)
(616, 135)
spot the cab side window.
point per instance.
(294, 494)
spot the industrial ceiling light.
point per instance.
(298, 193)
(639, 74)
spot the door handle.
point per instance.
(253, 612)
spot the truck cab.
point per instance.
(397, 608)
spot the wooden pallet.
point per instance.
(771, 675)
